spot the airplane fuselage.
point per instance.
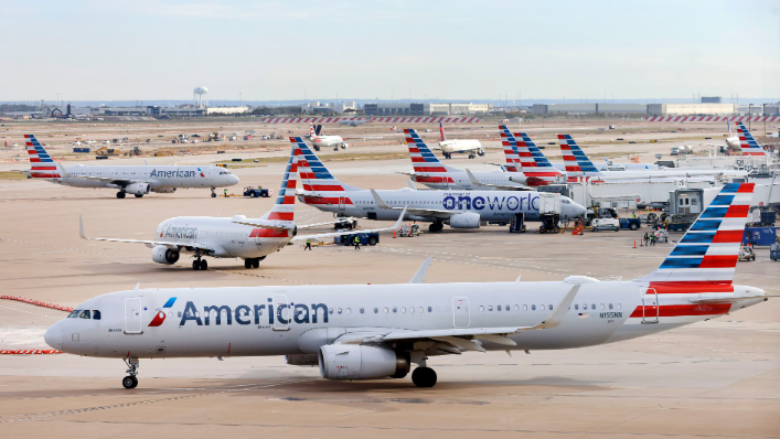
(160, 178)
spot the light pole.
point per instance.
(749, 115)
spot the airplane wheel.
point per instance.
(139, 195)
(424, 377)
(213, 195)
(256, 263)
(130, 382)
(204, 265)
(195, 265)
(120, 195)
(247, 263)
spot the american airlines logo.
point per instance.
(180, 232)
(512, 203)
(269, 313)
(176, 174)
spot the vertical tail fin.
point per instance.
(314, 175)
(707, 254)
(441, 130)
(574, 157)
(41, 163)
(312, 134)
(748, 143)
(284, 208)
(510, 149)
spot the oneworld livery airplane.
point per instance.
(251, 239)
(458, 209)
(135, 180)
(364, 332)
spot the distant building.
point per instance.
(340, 108)
(579, 109)
(416, 109)
(691, 109)
(711, 100)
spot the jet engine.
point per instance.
(361, 362)
(466, 220)
(164, 255)
(137, 188)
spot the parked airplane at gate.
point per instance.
(459, 146)
(250, 239)
(319, 141)
(748, 144)
(136, 180)
(431, 172)
(459, 209)
(362, 332)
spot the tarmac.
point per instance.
(719, 378)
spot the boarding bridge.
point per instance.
(631, 194)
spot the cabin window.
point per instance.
(481, 308)
(430, 309)
(385, 310)
(618, 306)
(593, 307)
(517, 308)
(498, 308)
(179, 314)
(420, 309)
(602, 306)
(490, 307)
(395, 310)
(361, 310)
(376, 310)
(525, 307)
(550, 307)
(330, 310)
(411, 309)
(95, 315)
(541, 307)
(403, 309)
(610, 306)
(533, 307)
(506, 307)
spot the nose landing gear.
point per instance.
(130, 381)
(213, 192)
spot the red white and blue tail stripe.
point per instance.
(524, 156)
(706, 256)
(41, 163)
(284, 208)
(749, 145)
(318, 183)
(427, 167)
(574, 158)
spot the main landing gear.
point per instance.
(424, 377)
(436, 227)
(252, 262)
(130, 381)
(199, 264)
(121, 194)
(213, 192)
(139, 195)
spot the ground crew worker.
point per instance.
(308, 245)
(646, 238)
(633, 215)
(357, 243)
(226, 193)
(652, 239)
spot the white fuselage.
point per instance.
(491, 206)
(327, 141)
(459, 145)
(460, 180)
(160, 178)
(287, 320)
(227, 238)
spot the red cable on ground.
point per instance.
(37, 303)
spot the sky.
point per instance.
(335, 50)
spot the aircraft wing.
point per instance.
(413, 211)
(503, 187)
(263, 225)
(150, 244)
(320, 236)
(464, 338)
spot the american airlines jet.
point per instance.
(251, 239)
(748, 144)
(459, 146)
(459, 209)
(319, 141)
(365, 332)
(135, 180)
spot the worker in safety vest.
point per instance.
(308, 244)
(357, 243)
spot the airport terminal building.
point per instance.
(682, 109)
(437, 109)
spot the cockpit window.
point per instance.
(74, 314)
(95, 315)
(85, 314)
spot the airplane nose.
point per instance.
(53, 336)
(233, 179)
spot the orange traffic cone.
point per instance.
(635, 243)
(393, 233)
(640, 242)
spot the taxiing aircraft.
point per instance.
(251, 239)
(459, 146)
(431, 172)
(354, 121)
(459, 209)
(319, 141)
(136, 180)
(364, 332)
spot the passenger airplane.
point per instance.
(325, 141)
(429, 171)
(459, 146)
(136, 180)
(238, 237)
(459, 209)
(748, 144)
(354, 121)
(364, 332)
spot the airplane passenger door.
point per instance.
(650, 306)
(341, 203)
(282, 313)
(460, 312)
(133, 315)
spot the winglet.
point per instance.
(473, 179)
(411, 185)
(400, 220)
(379, 202)
(419, 277)
(559, 314)
(81, 228)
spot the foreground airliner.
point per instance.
(135, 180)
(361, 332)
(459, 209)
(251, 239)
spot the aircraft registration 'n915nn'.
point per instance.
(251, 239)
(135, 180)
(360, 332)
(459, 209)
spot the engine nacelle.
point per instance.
(137, 188)
(164, 190)
(466, 220)
(163, 255)
(361, 362)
